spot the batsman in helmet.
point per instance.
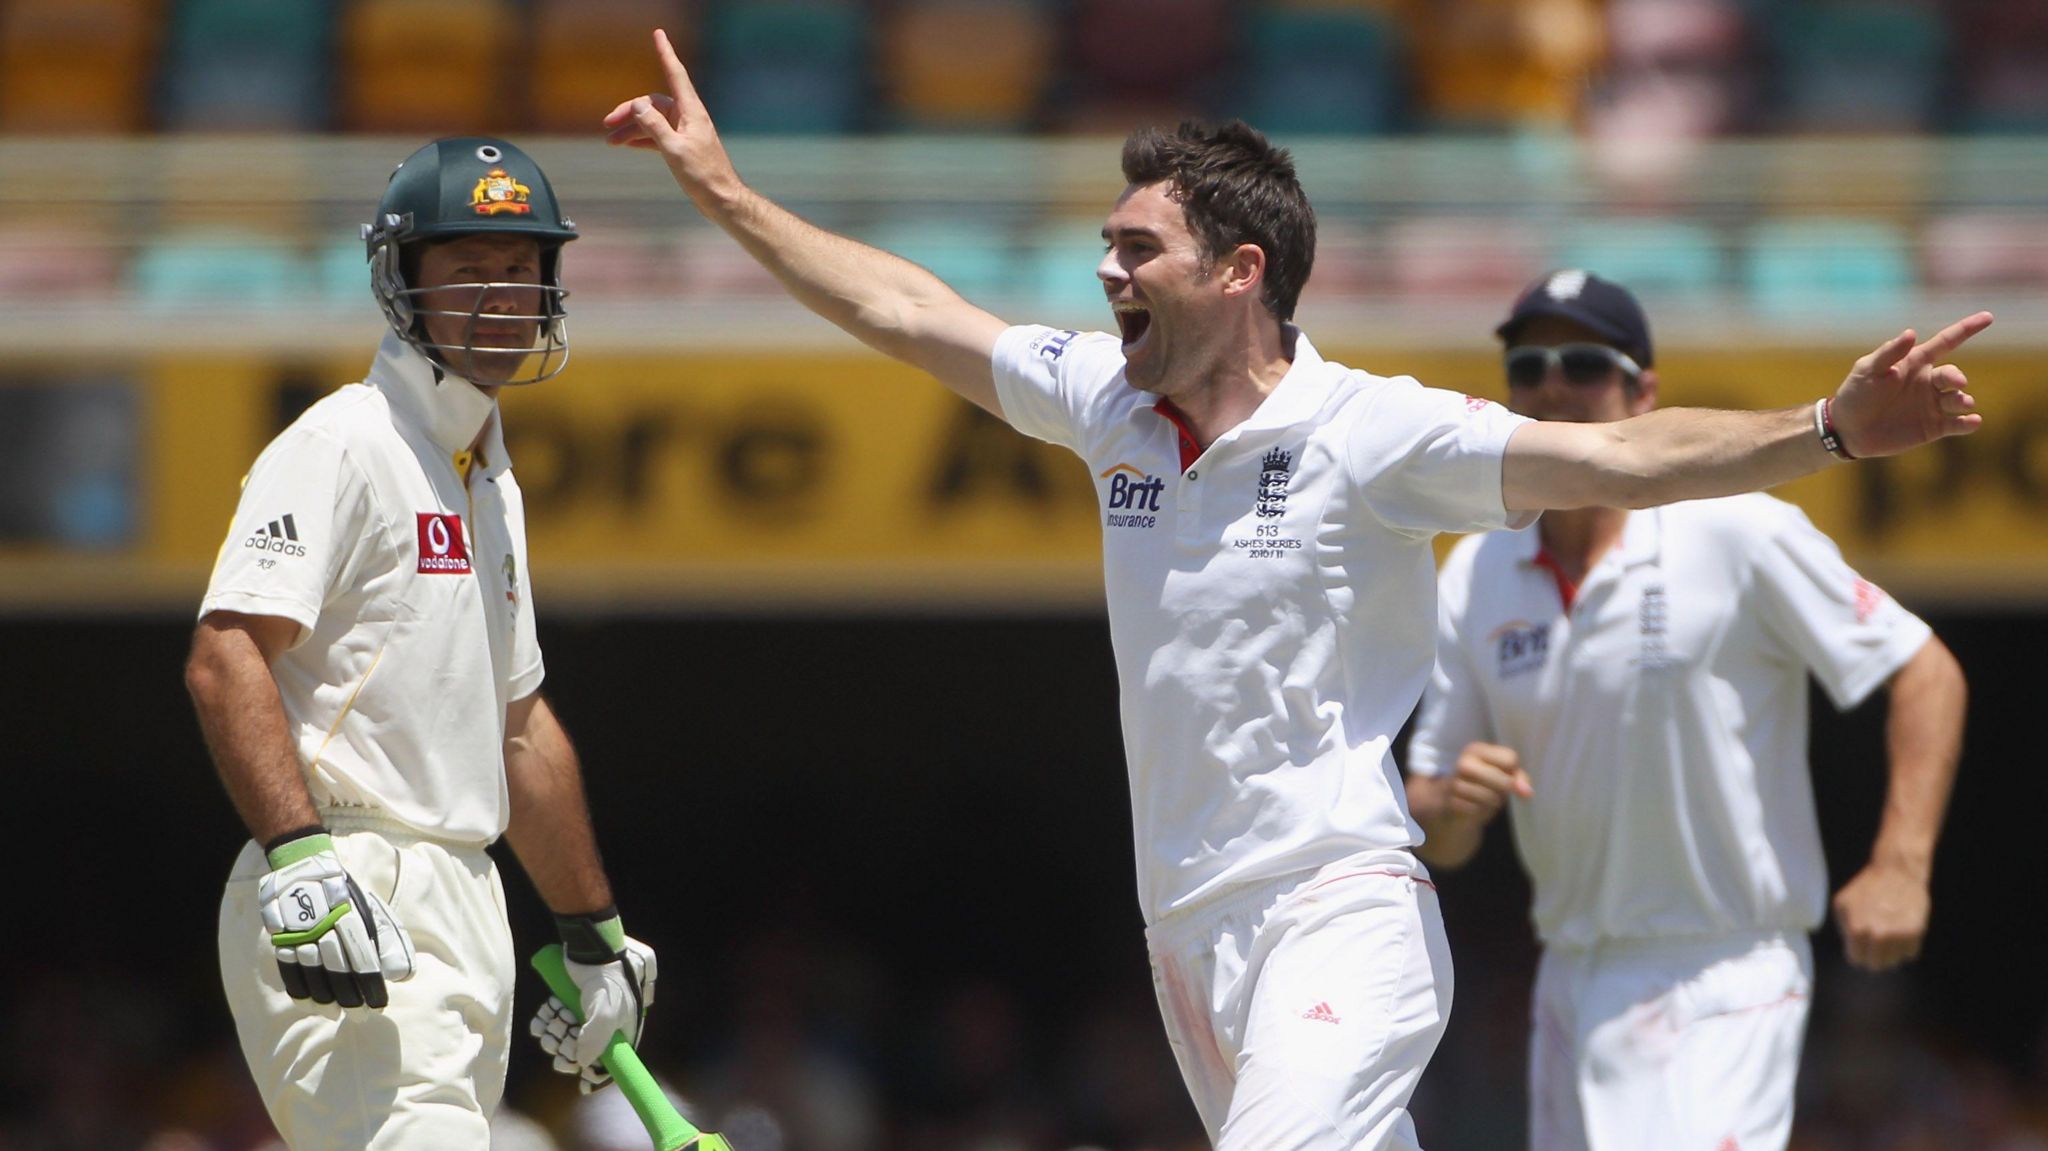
(367, 676)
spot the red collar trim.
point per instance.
(1566, 589)
(1190, 451)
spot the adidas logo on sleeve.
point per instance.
(280, 535)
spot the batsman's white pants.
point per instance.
(427, 1070)
(1674, 1045)
(1303, 1011)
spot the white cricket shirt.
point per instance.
(1271, 602)
(1662, 719)
(409, 588)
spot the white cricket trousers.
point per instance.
(1673, 1045)
(1303, 1010)
(427, 1070)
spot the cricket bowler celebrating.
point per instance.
(1636, 682)
(1267, 518)
(368, 681)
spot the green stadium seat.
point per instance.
(1650, 257)
(1056, 273)
(1859, 65)
(787, 66)
(222, 267)
(247, 64)
(977, 259)
(1826, 264)
(1323, 71)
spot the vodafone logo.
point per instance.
(442, 548)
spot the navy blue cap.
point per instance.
(1603, 306)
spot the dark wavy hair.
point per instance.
(1235, 188)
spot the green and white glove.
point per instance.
(336, 943)
(614, 974)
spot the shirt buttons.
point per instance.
(1194, 475)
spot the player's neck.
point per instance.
(1237, 383)
(1576, 539)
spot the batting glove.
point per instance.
(614, 975)
(336, 943)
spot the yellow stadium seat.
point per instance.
(76, 65)
(967, 63)
(590, 54)
(436, 67)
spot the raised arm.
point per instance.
(1896, 398)
(886, 302)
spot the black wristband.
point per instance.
(294, 833)
(585, 938)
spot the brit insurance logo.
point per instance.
(1519, 647)
(280, 536)
(1132, 495)
(443, 551)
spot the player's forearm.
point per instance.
(1660, 457)
(1448, 841)
(550, 830)
(242, 718)
(1924, 743)
(875, 296)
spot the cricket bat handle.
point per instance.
(671, 1132)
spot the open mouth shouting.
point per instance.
(1133, 320)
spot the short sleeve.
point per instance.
(1844, 628)
(1428, 460)
(1046, 378)
(301, 515)
(1453, 710)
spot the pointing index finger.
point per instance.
(672, 67)
(1949, 339)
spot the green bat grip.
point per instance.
(670, 1130)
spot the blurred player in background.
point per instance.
(367, 678)
(1267, 518)
(1632, 685)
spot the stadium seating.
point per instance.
(1491, 64)
(977, 258)
(1321, 70)
(1452, 255)
(789, 66)
(76, 65)
(590, 54)
(247, 65)
(220, 267)
(2001, 65)
(966, 64)
(1651, 256)
(1826, 264)
(1056, 271)
(1858, 65)
(1980, 251)
(1128, 71)
(46, 260)
(430, 67)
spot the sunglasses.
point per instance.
(1582, 364)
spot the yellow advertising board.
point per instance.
(844, 481)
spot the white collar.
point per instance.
(450, 409)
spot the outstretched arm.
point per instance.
(1882, 911)
(886, 302)
(1896, 398)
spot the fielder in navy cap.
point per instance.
(1601, 306)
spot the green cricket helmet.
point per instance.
(466, 186)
